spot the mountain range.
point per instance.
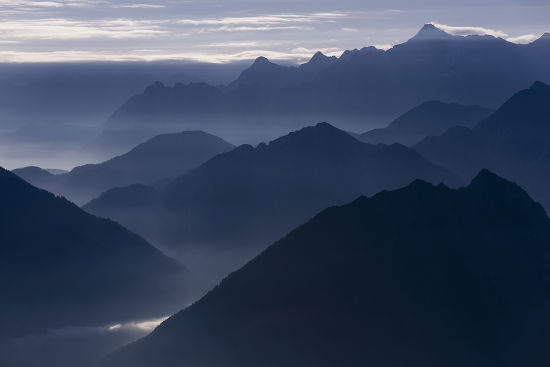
(245, 199)
(62, 267)
(514, 142)
(421, 276)
(427, 119)
(160, 158)
(360, 89)
(87, 92)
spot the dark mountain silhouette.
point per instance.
(60, 266)
(245, 199)
(265, 73)
(318, 62)
(514, 142)
(422, 276)
(361, 89)
(429, 118)
(162, 157)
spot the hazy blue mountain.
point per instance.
(162, 157)
(232, 206)
(37, 176)
(53, 113)
(62, 267)
(514, 142)
(427, 119)
(361, 89)
(421, 276)
(89, 92)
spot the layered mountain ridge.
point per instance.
(244, 199)
(360, 89)
(421, 276)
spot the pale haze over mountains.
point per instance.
(263, 183)
(70, 104)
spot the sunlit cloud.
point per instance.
(147, 325)
(470, 31)
(294, 55)
(385, 46)
(65, 29)
(139, 6)
(265, 20)
(49, 4)
(238, 44)
(28, 6)
(480, 31)
(526, 38)
(258, 28)
(211, 31)
(140, 327)
(329, 51)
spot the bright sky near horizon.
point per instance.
(232, 30)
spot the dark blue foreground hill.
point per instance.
(422, 276)
(62, 267)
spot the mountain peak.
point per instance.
(486, 178)
(318, 57)
(155, 87)
(261, 61)
(527, 107)
(323, 127)
(319, 134)
(428, 27)
(539, 86)
(318, 62)
(502, 193)
(430, 32)
(365, 51)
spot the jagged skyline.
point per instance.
(216, 31)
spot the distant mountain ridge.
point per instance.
(360, 89)
(421, 276)
(514, 142)
(161, 157)
(427, 119)
(62, 267)
(242, 200)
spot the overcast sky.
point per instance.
(228, 30)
